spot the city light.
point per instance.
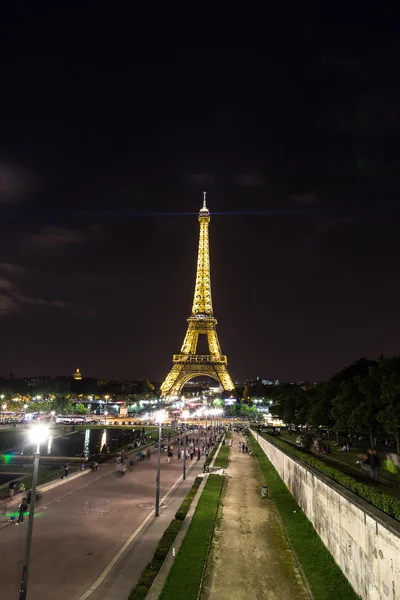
(160, 416)
(39, 434)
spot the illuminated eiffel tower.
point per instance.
(188, 364)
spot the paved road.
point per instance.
(70, 548)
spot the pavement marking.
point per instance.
(120, 552)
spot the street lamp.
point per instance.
(185, 415)
(38, 435)
(160, 418)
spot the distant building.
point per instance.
(77, 375)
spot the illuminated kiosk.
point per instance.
(188, 364)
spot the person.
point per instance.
(374, 463)
(179, 453)
(82, 467)
(11, 489)
(94, 465)
(23, 507)
(346, 448)
(364, 464)
(66, 468)
(392, 463)
(148, 453)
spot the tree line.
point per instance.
(362, 398)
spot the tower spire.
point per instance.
(188, 363)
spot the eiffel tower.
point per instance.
(188, 364)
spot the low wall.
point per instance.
(363, 541)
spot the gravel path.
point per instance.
(250, 556)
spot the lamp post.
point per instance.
(38, 436)
(4, 406)
(160, 417)
(185, 415)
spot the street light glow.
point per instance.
(161, 415)
(39, 434)
(185, 414)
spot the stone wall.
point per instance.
(363, 541)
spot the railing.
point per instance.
(200, 359)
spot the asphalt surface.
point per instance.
(71, 547)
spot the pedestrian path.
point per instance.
(250, 555)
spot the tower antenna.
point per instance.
(204, 200)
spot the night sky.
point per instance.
(113, 122)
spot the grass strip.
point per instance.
(222, 458)
(208, 460)
(323, 575)
(385, 502)
(150, 572)
(184, 579)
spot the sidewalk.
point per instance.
(250, 556)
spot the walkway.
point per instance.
(250, 556)
(71, 549)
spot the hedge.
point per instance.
(150, 572)
(386, 503)
(184, 507)
(207, 462)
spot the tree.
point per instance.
(365, 412)
(80, 409)
(320, 405)
(291, 405)
(389, 414)
(346, 393)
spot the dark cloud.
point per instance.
(15, 183)
(12, 269)
(201, 178)
(306, 199)
(8, 305)
(59, 237)
(12, 300)
(250, 180)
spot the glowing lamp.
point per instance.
(39, 434)
(160, 415)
